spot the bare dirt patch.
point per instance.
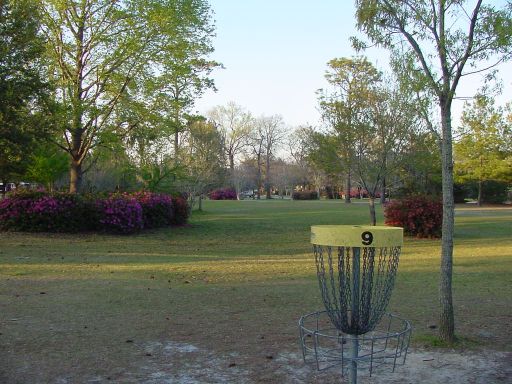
(188, 364)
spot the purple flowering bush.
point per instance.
(37, 211)
(120, 214)
(222, 194)
(157, 209)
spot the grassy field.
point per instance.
(80, 308)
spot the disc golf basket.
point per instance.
(356, 269)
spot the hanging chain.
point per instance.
(378, 267)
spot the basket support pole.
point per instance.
(354, 344)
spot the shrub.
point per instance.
(222, 194)
(36, 211)
(120, 213)
(304, 195)
(494, 192)
(157, 209)
(420, 216)
(357, 193)
(181, 210)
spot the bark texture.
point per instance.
(446, 321)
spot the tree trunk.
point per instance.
(446, 320)
(267, 177)
(480, 197)
(176, 144)
(258, 195)
(200, 205)
(383, 191)
(75, 177)
(348, 187)
(231, 158)
(373, 217)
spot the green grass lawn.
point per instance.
(235, 280)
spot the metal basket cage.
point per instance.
(325, 347)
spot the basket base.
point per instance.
(325, 347)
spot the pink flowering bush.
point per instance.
(419, 216)
(222, 194)
(64, 212)
(157, 209)
(120, 213)
(36, 211)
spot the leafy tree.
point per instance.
(23, 101)
(284, 176)
(382, 140)
(255, 142)
(483, 152)
(145, 142)
(323, 157)
(235, 125)
(109, 168)
(178, 73)
(299, 143)
(204, 163)
(421, 169)
(351, 80)
(47, 165)
(441, 41)
(248, 174)
(97, 49)
(369, 125)
(272, 133)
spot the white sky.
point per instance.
(275, 53)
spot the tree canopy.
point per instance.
(23, 90)
(97, 48)
(440, 42)
(483, 151)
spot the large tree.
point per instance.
(272, 133)
(483, 151)
(179, 73)
(203, 160)
(382, 140)
(343, 104)
(299, 144)
(323, 156)
(23, 92)
(369, 122)
(235, 125)
(256, 145)
(98, 48)
(442, 41)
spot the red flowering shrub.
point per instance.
(181, 210)
(356, 193)
(222, 194)
(304, 195)
(420, 216)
